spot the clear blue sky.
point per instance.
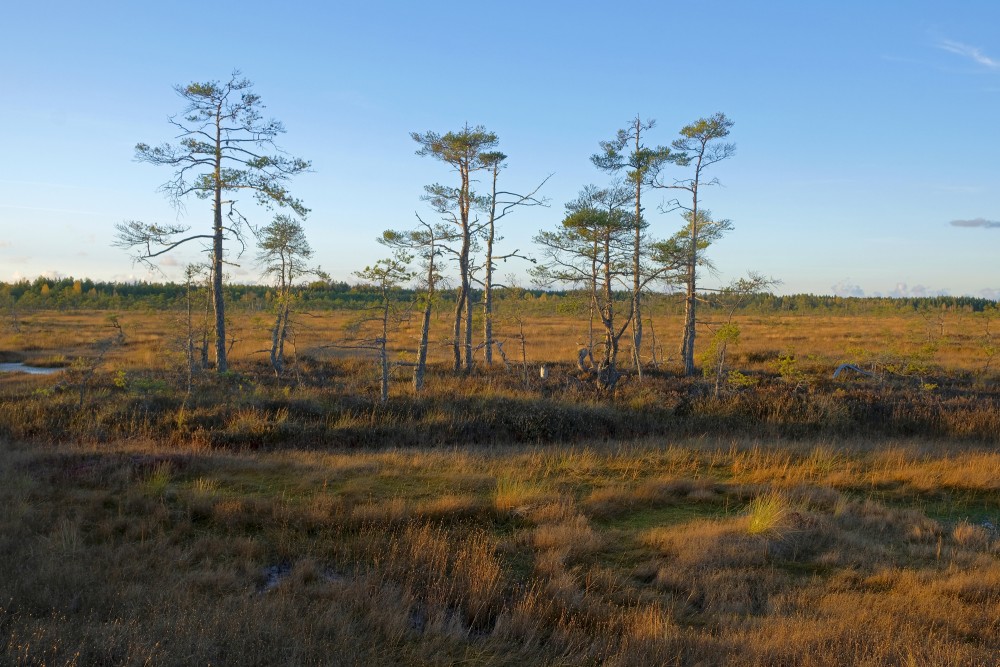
(863, 129)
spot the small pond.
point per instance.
(21, 368)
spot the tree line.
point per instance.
(83, 293)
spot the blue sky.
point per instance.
(863, 130)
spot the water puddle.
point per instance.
(31, 370)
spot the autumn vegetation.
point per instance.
(629, 467)
(258, 518)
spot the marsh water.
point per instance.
(21, 368)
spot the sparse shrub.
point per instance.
(714, 358)
(740, 380)
(789, 370)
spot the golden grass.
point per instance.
(768, 514)
(154, 339)
(296, 521)
(614, 553)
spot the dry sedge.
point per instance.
(488, 520)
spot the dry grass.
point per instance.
(614, 554)
(294, 520)
(952, 340)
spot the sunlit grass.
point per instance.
(477, 554)
(767, 514)
(485, 521)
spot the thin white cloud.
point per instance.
(847, 288)
(977, 222)
(971, 52)
(918, 291)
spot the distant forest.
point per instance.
(72, 293)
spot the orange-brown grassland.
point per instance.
(767, 514)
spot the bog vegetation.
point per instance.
(495, 517)
(308, 472)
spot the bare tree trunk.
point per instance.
(221, 365)
(284, 333)
(190, 337)
(488, 308)
(593, 302)
(488, 323)
(425, 326)
(457, 333)
(383, 355)
(720, 369)
(637, 263)
(384, 359)
(468, 330)
(206, 328)
(465, 299)
(609, 368)
(488, 282)
(637, 332)
(463, 291)
(652, 336)
(277, 341)
(524, 351)
(690, 301)
(280, 331)
(420, 368)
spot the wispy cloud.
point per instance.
(971, 52)
(847, 288)
(977, 222)
(919, 291)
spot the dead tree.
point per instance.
(429, 242)
(499, 204)
(371, 330)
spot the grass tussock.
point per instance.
(768, 514)
(707, 551)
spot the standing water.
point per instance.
(33, 370)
